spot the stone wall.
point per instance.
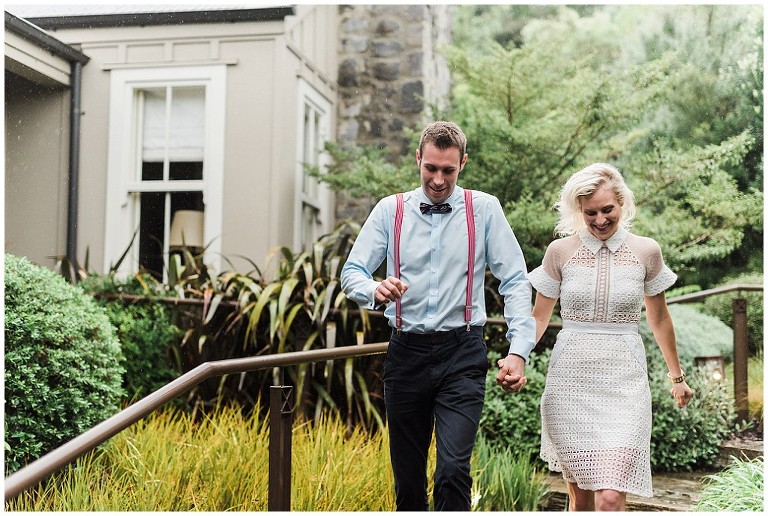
(390, 75)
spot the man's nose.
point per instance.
(438, 178)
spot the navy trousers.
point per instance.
(434, 381)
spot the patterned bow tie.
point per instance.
(435, 208)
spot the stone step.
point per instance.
(673, 492)
(739, 448)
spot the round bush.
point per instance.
(698, 334)
(683, 439)
(147, 335)
(63, 365)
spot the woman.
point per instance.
(596, 406)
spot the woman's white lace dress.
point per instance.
(596, 406)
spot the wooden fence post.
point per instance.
(740, 351)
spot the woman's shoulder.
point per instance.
(561, 249)
(642, 243)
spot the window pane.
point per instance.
(175, 131)
(187, 201)
(186, 170)
(152, 233)
(152, 171)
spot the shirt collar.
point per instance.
(594, 244)
(453, 200)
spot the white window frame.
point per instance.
(322, 202)
(122, 216)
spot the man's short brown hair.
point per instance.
(443, 135)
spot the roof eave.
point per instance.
(39, 37)
(163, 18)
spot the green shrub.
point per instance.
(505, 480)
(514, 420)
(681, 439)
(739, 487)
(147, 336)
(721, 306)
(698, 334)
(63, 366)
(686, 438)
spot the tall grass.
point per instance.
(755, 373)
(739, 487)
(169, 462)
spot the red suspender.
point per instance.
(398, 229)
(470, 255)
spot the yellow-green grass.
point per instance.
(755, 390)
(167, 462)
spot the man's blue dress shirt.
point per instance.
(433, 263)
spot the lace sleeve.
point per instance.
(543, 283)
(546, 277)
(661, 282)
(658, 277)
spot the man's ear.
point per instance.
(418, 158)
(463, 162)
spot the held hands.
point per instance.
(511, 375)
(391, 289)
(682, 393)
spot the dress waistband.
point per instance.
(611, 328)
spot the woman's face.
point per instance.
(601, 212)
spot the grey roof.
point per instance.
(55, 10)
(55, 16)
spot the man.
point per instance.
(436, 363)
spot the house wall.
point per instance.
(390, 73)
(263, 61)
(36, 164)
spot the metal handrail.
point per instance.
(698, 296)
(38, 470)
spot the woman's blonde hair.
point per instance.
(585, 182)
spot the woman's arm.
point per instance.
(660, 322)
(542, 312)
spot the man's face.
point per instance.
(439, 170)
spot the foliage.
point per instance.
(366, 172)
(683, 439)
(738, 488)
(691, 188)
(514, 421)
(697, 334)
(291, 308)
(171, 462)
(63, 365)
(506, 479)
(721, 306)
(147, 336)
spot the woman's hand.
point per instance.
(682, 393)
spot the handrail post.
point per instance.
(740, 389)
(280, 433)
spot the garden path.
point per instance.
(672, 492)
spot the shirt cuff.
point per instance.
(520, 348)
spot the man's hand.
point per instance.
(391, 289)
(511, 375)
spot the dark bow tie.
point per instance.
(435, 208)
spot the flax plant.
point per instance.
(172, 462)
